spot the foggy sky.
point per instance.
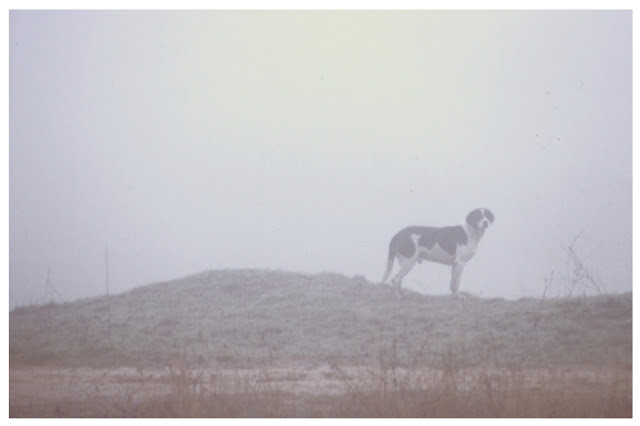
(187, 141)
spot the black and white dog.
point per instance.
(451, 245)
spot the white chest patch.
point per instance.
(465, 252)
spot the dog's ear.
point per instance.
(474, 217)
(489, 215)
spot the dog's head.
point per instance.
(480, 219)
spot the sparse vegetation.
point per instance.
(268, 343)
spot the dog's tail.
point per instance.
(390, 259)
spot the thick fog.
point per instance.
(179, 142)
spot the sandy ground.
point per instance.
(50, 383)
(126, 387)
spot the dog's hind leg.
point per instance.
(406, 263)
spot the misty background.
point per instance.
(186, 141)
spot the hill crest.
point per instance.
(244, 317)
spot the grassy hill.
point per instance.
(257, 317)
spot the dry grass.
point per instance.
(485, 392)
(183, 391)
(275, 344)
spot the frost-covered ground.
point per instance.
(187, 346)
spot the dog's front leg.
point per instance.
(456, 272)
